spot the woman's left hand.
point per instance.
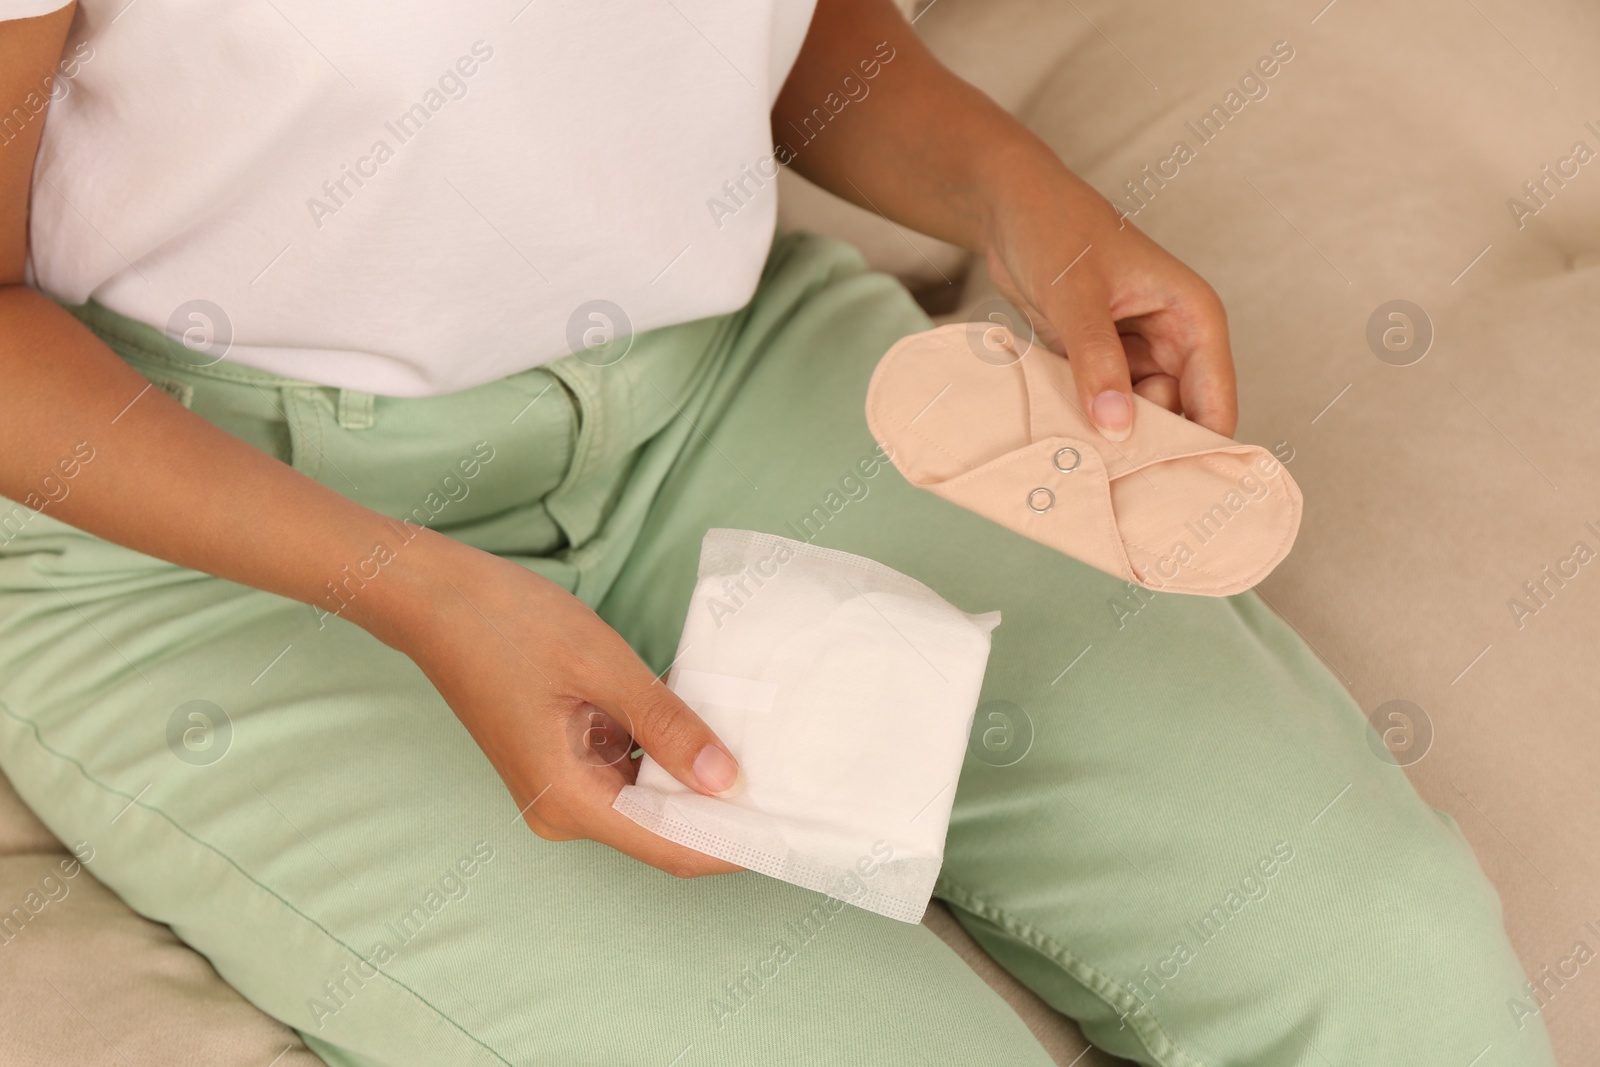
(925, 149)
(1126, 312)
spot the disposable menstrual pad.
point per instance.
(846, 691)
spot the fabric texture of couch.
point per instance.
(1446, 493)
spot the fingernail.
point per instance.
(717, 771)
(1113, 414)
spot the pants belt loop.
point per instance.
(356, 410)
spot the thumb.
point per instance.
(679, 740)
(1082, 319)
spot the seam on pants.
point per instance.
(587, 557)
(180, 391)
(39, 740)
(1155, 1039)
(235, 373)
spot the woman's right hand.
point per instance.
(520, 660)
(555, 697)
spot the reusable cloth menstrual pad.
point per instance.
(991, 422)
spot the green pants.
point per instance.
(1171, 823)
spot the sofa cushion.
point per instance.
(1452, 504)
(86, 981)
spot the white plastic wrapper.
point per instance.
(846, 691)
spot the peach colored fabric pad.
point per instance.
(990, 421)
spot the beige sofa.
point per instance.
(1377, 167)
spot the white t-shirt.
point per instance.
(409, 199)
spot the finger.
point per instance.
(1141, 356)
(584, 812)
(1160, 389)
(676, 738)
(599, 739)
(585, 808)
(1206, 388)
(548, 832)
(1082, 318)
(680, 861)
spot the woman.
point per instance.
(508, 273)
